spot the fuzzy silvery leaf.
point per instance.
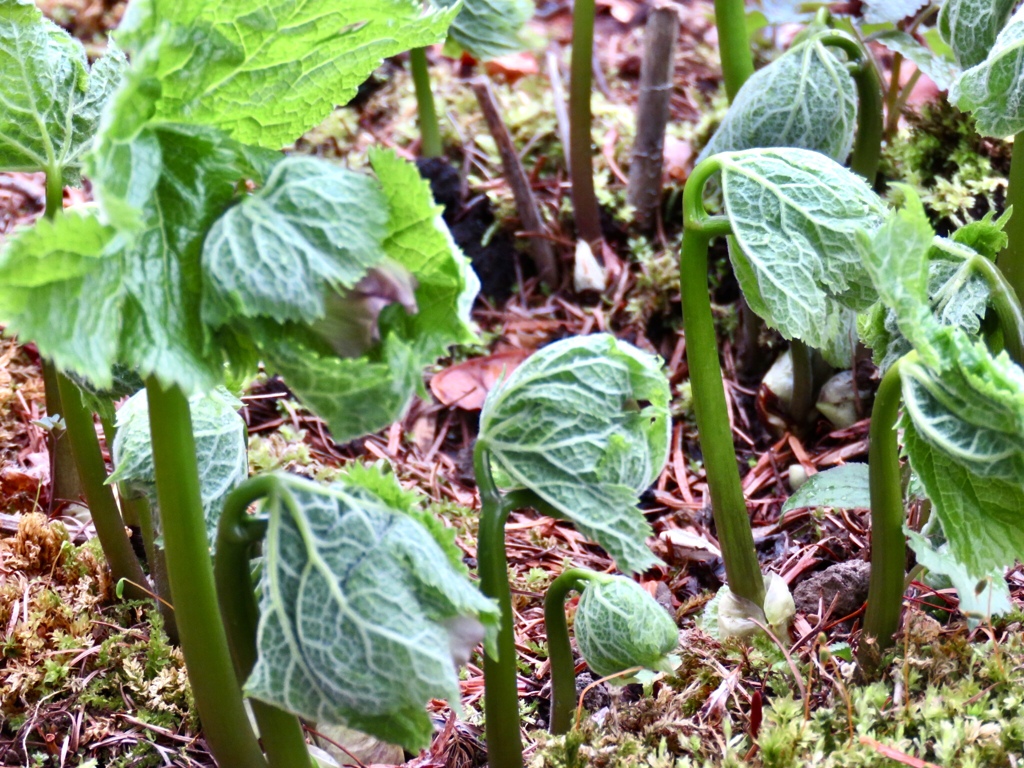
(313, 226)
(941, 71)
(980, 599)
(51, 99)
(584, 424)
(843, 487)
(805, 98)
(891, 11)
(487, 29)
(221, 450)
(268, 71)
(364, 394)
(795, 215)
(619, 626)
(361, 613)
(993, 90)
(970, 27)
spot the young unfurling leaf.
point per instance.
(971, 27)
(584, 424)
(619, 625)
(805, 98)
(363, 619)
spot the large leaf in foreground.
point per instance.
(964, 407)
(51, 100)
(487, 29)
(221, 450)
(584, 424)
(361, 613)
(993, 90)
(363, 394)
(805, 98)
(795, 215)
(268, 71)
(971, 27)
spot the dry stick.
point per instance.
(526, 204)
(652, 114)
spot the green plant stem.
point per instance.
(581, 171)
(727, 503)
(803, 384)
(501, 694)
(892, 115)
(430, 128)
(563, 668)
(238, 534)
(156, 560)
(204, 643)
(888, 544)
(1011, 260)
(1006, 305)
(92, 471)
(734, 44)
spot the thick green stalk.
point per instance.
(733, 44)
(803, 384)
(64, 482)
(888, 544)
(237, 535)
(204, 643)
(1006, 304)
(501, 694)
(727, 503)
(584, 199)
(563, 668)
(156, 560)
(430, 128)
(92, 471)
(1011, 260)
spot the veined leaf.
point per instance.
(221, 450)
(980, 599)
(993, 90)
(487, 29)
(364, 394)
(795, 215)
(61, 287)
(571, 425)
(313, 226)
(362, 617)
(618, 626)
(805, 98)
(942, 71)
(268, 71)
(844, 487)
(51, 100)
(971, 27)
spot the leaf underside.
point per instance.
(487, 29)
(993, 90)
(971, 27)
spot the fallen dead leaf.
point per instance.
(466, 385)
(513, 66)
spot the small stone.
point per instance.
(848, 581)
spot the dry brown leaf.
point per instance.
(466, 385)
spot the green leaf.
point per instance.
(125, 383)
(361, 395)
(584, 424)
(941, 71)
(61, 287)
(362, 618)
(487, 29)
(51, 101)
(992, 90)
(268, 71)
(805, 98)
(971, 27)
(843, 487)
(618, 626)
(980, 599)
(313, 226)
(980, 516)
(221, 450)
(795, 215)
(891, 11)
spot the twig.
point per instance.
(526, 204)
(652, 114)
